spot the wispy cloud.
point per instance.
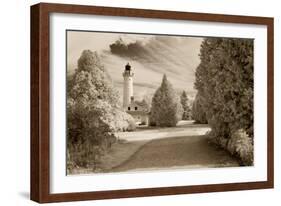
(151, 56)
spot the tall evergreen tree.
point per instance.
(224, 78)
(198, 110)
(185, 105)
(166, 109)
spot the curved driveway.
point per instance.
(181, 148)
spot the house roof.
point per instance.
(139, 104)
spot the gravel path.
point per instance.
(181, 152)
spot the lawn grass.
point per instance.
(119, 153)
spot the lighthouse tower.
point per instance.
(128, 94)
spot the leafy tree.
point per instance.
(92, 81)
(166, 109)
(92, 112)
(185, 105)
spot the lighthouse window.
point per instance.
(136, 108)
(129, 108)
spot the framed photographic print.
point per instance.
(132, 102)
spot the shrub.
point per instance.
(241, 145)
(217, 139)
(123, 121)
(152, 122)
(131, 124)
(90, 132)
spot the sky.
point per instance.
(150, 56)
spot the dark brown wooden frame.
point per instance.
(40, 96)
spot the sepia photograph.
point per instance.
(151, 102)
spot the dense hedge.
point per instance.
(224, 78)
